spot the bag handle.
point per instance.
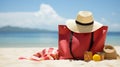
(70, 44)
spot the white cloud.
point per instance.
(112, 25)
(45, 18)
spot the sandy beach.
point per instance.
(9, 58)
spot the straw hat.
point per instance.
(84, 23)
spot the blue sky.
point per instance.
(47, 14)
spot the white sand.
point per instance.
(9, 58)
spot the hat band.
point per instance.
(85, 24)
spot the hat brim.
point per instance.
(71, 24)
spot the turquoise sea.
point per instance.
(43, 39)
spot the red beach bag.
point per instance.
(73, 45)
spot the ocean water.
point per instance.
(43, 39)
(113, 38)
(28, 39)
